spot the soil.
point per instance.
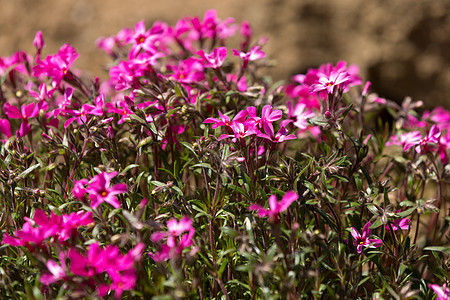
(402, 46)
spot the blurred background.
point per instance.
(402, 46)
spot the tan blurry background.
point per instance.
(402, 46)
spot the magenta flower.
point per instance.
(281, 136)
(188, 71)
(100, 190)
(42, 96)
(212, 26)
(241, 130)
(268, 116)
(328, 82)
(399, 224)
(431, 138)
(5, 128)
(120, 108)
(443, 293)
(254, 54)
(70, 224)
(38, 42)
(57, 272)
(300, 114)
(176, 241)
(407, 140)
(79, 188)
(34, 231)
(118, 266)
(57, 66)
(225, 120)
(363, 240)
(41, 227)
(275, 207)
(214, 59)
(26, 112)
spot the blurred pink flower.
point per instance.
(443, 293)
(214, 59)
(176, 241)
(26, 112)
(275, 207)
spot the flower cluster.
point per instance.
(436, 140)
(190, 130)
(53, 228)
(176, 241)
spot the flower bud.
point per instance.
(38, 41)
(110, 133)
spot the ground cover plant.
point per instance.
(187, 173)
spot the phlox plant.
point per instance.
(188, 174)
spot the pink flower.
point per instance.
(5, 128)
(328, 82)
(397, 224)
(122, 109)
(27, 111)
(300, 115)
(431, 138)
(38, 41)
(70, 224)
(118, 266)
(281, 136)
(100, 190)
(407, 140)
(254, 54)
(275, 206)
(57, 272)
(212, 26)
(176, 241)
(363, 240)
(241, 130)
(79, 188)
(57, 66)
(188, 71)
(41, 227)
(443, 293)
(268, 116)
(214, 59)
(225, 120)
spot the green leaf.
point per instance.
(27, 171)
(406, 213)
(140, 120)
(145, 141)
(438, 248)
(129, 167)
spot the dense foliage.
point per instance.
(189, 174)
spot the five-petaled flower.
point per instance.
(100, 190)
(362, 240)
(328, 82)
